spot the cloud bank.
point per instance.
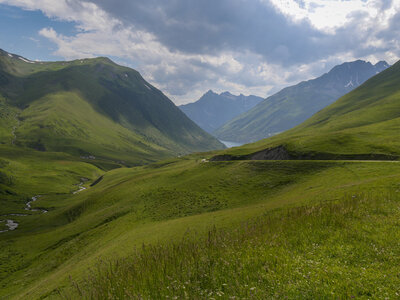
(186, 47)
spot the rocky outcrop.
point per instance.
(281, 153)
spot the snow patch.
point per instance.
(126, 75)
(9, 55)
(147, 86)
(349, 84)
(25, 60)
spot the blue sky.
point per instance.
(186, 47)
(19, 32)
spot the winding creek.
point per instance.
(80, 186)
(12, 224)
(29, 205)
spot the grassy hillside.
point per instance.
(295, 104)
(159, 203)
(94, 107)
(345, 249)
(365, 121)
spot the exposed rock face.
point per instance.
(281, 153)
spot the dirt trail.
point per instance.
(14, 129)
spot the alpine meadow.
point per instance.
(114, 185)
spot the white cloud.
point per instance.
(159, 65)
(185, 75)
(326, 14)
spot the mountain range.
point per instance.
(293, 105)
(213, 110)
(363, 124)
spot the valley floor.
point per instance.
(320, 229)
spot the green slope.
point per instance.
(335, 250)
(95, 107)
(364, 122)
(159, 203)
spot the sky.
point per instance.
(187, 47)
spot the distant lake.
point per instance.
(231, 144)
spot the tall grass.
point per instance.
(342, 249)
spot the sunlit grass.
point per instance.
(157, 203)
(340, 249)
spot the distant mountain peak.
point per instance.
(350, 65)
(383, 64)
(212, 110)
(357, 64)
(210, 92)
